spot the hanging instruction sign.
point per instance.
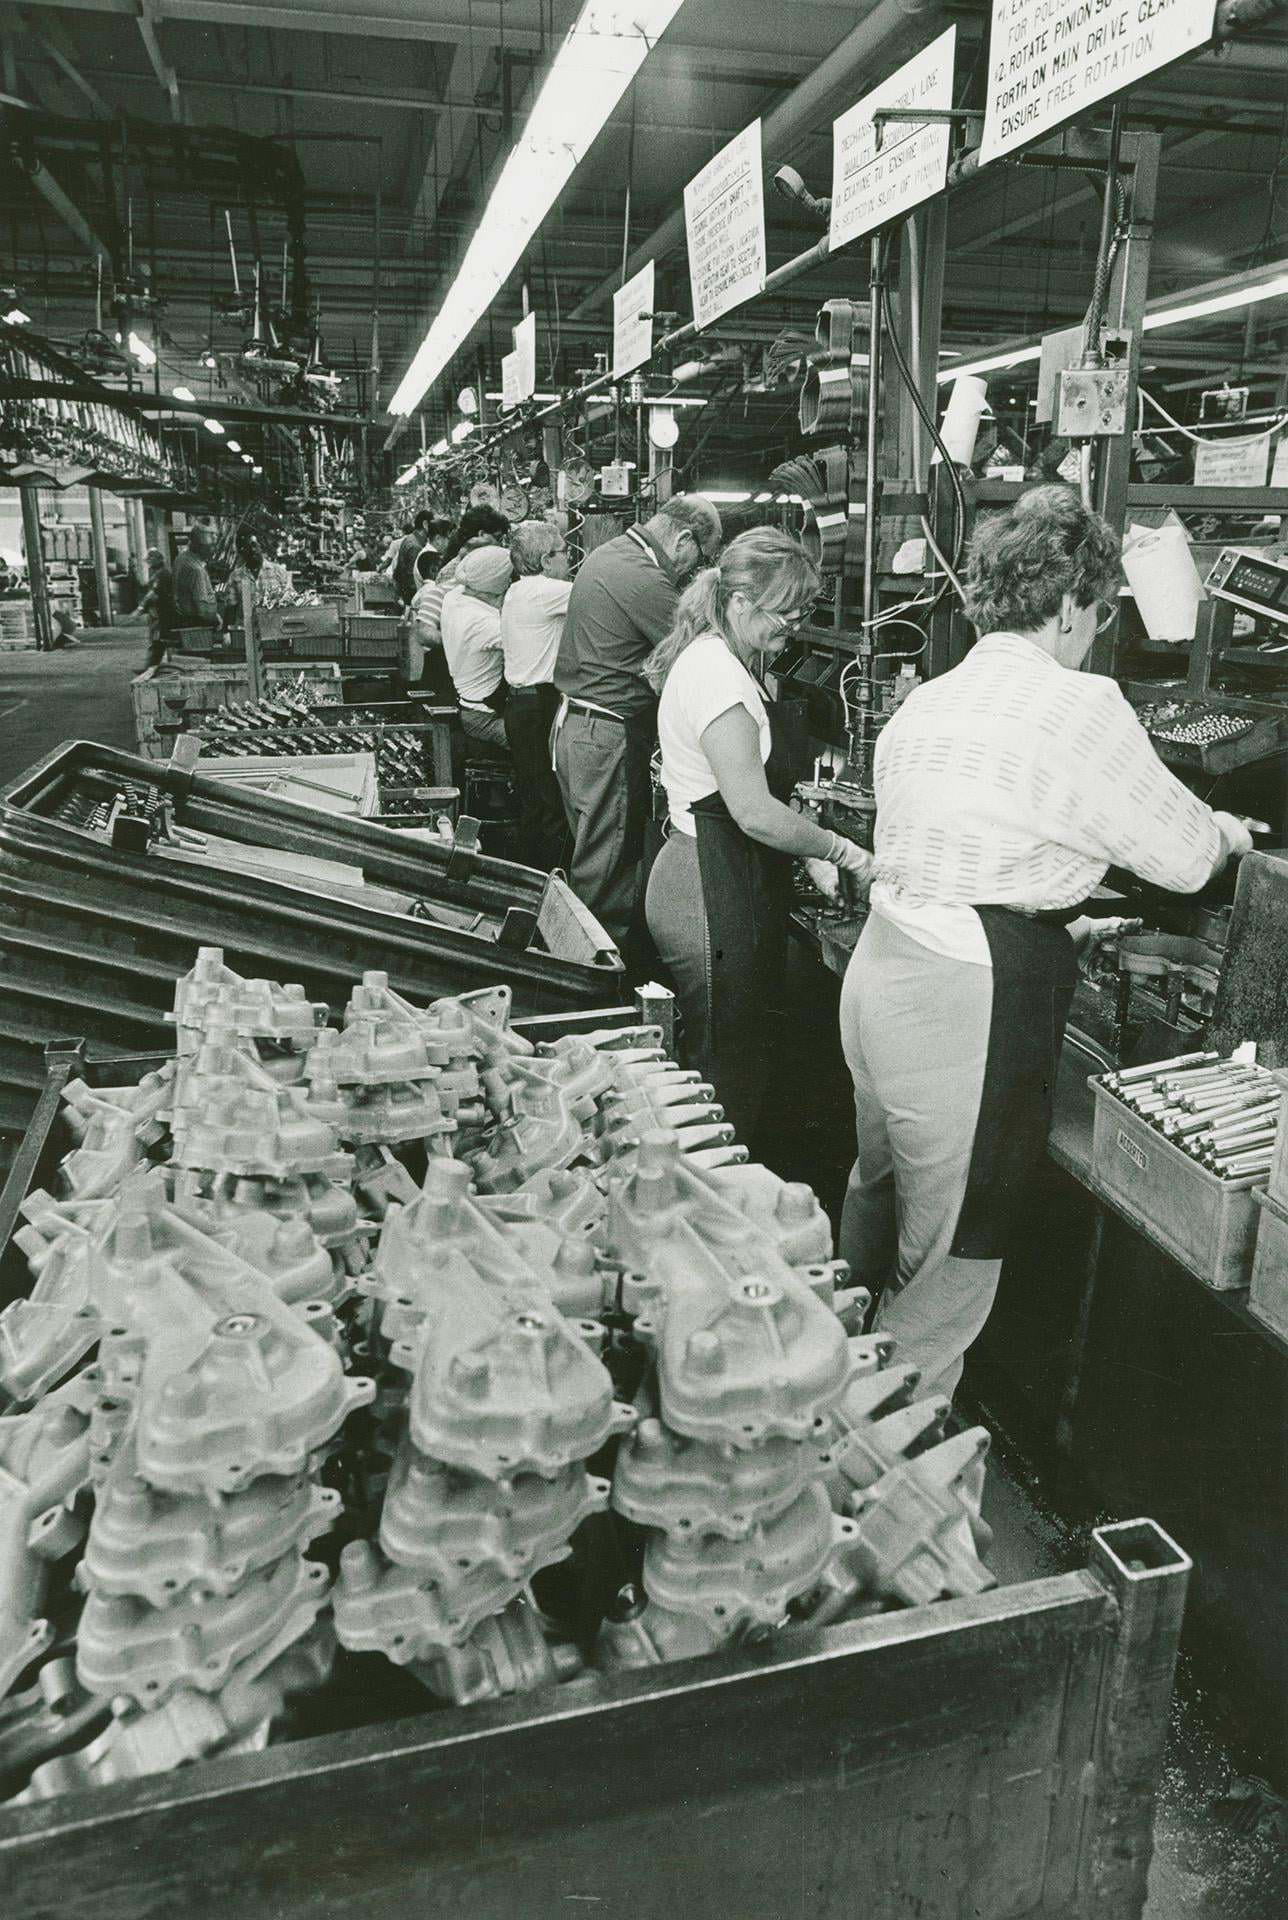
(875, 181)
(509, 382)
(1050, 59)
(1232, 463)
(724, 219)
(525, 347)
(633, 322)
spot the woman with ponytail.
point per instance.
(720, 890)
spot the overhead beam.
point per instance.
(51, 37)
(167, 78)
(65, 207)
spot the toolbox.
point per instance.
(1206, 1223)
(1268, 1298)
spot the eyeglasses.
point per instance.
(784, 623)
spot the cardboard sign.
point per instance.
(724, 220)
(633, 322)
(1232, 463)
(872, 181)
(1048, 60)
(509, 382)
(525, 348)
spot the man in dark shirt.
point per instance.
(194, 597)
(414, 540)
(158, 604)
(623, 602)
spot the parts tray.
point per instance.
(93, 936)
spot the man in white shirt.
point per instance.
(471, 626)
(532, 622)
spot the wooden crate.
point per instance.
(1207, 1223)
(1268, 1297)
(204, 686)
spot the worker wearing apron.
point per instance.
(719, 891)
(1005, 790)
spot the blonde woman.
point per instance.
(719, 892)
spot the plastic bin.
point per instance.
(1206, 1223)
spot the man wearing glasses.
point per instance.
(622, 604)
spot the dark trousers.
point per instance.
(603, 771)
(543, 827)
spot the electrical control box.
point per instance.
(1091, 402)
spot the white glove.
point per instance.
(1238, 840)
(851, 858)
(825, 876)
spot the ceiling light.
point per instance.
(462, 431)
(185, 393)
(17, 318)
(142, 351)
(213, 426)
(762, 499)
(256, 468)
(467, 400)
(408, 473)
(1245, 296)
(246, 457)
(589, 74)
(992, 363)
(439, 446)
(208, 359)
(663, 427)
(724, 499)
(548, 398)
(234, 446)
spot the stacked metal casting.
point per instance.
(553, 1279)
(788, 1472)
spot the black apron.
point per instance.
(1035, 969)
(747, 895)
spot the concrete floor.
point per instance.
(1220, 1852)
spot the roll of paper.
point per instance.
(960, 424)
(1164, 580)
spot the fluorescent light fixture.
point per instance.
(1218, 303)
(142, 351)
(213, 426)
(439, 446)
(234, 446)
(185, 393)
(17, 318)
(762, 499)
(992, 363)
(462, 431)
(468, 401)
(1169, 310)
(407, 474)
(723, 499)
(604, 50)
(208, 360)
(255, 467)
(548, 398)
(246, 457)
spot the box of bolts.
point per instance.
(1180, 1144)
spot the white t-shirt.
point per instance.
(706, 680)
(472, 643)
(532, 623)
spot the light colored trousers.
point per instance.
(915, 1029)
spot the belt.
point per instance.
(594, 712)
(536, 687)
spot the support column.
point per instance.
(36, 568)
(98, 540)
(134, 512)
(132, 541)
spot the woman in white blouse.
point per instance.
(719, 890)
(1005, 790)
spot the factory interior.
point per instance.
(643, 959)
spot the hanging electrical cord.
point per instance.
(949, 464)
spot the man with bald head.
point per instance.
(195, 604)
(623, 602)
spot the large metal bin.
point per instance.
(994, 1757)
(93, 937)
